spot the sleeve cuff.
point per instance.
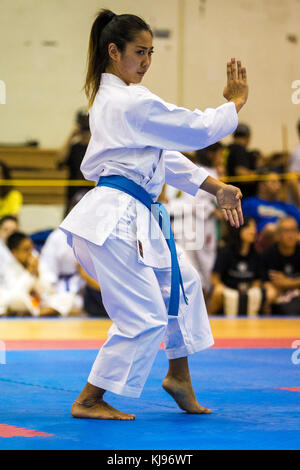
(197, 179)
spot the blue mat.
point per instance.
(239, 385)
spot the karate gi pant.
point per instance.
(136, 298)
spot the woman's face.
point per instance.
(132, 64)
(248, 233)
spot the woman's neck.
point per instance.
(116, 73)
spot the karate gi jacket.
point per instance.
(136, 134)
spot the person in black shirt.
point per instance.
(281, 269)
(237, 269)
(72, 153)
(241, 162)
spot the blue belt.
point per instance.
(161, 215)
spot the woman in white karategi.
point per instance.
(136, 135)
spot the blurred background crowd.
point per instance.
(250, 271)
(253, 270)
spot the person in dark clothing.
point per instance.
(281, 269)
(240, 161)
(72, 153)
(236, 272)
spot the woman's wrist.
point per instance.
(212, 185)
(239, 103)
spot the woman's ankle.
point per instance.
(91, 393)
(179, 369)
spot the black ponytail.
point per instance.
(108, 27)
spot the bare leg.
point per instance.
(216, 301)
(271, 296)
(179, 385)
(90, 404)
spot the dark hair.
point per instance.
(242, 130)
(108, 28)
(4, 190)
(234, 235)
(298, 127)
(203, 156)
(15, 239)
(5, 218)
(82, 120)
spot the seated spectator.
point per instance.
(266, 208)
(241, 162)
(25, 289)
(8, 225)
(20, 291)
(281, 269)
(67, 276)
(72, 153)
(236, 274)
(279, 162)
(10, 199)
(57, 256)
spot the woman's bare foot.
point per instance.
(183, 393)
(90, 404)
(98, 410)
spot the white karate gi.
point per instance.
(5, 258)
(61, 272)
(16, 287)
(136, 134)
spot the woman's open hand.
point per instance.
(229, 201)
(236, 89)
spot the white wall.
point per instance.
(34, 218)
(254, 31)
(44, 83)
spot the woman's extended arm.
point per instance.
(185, 175)
(154, 122)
